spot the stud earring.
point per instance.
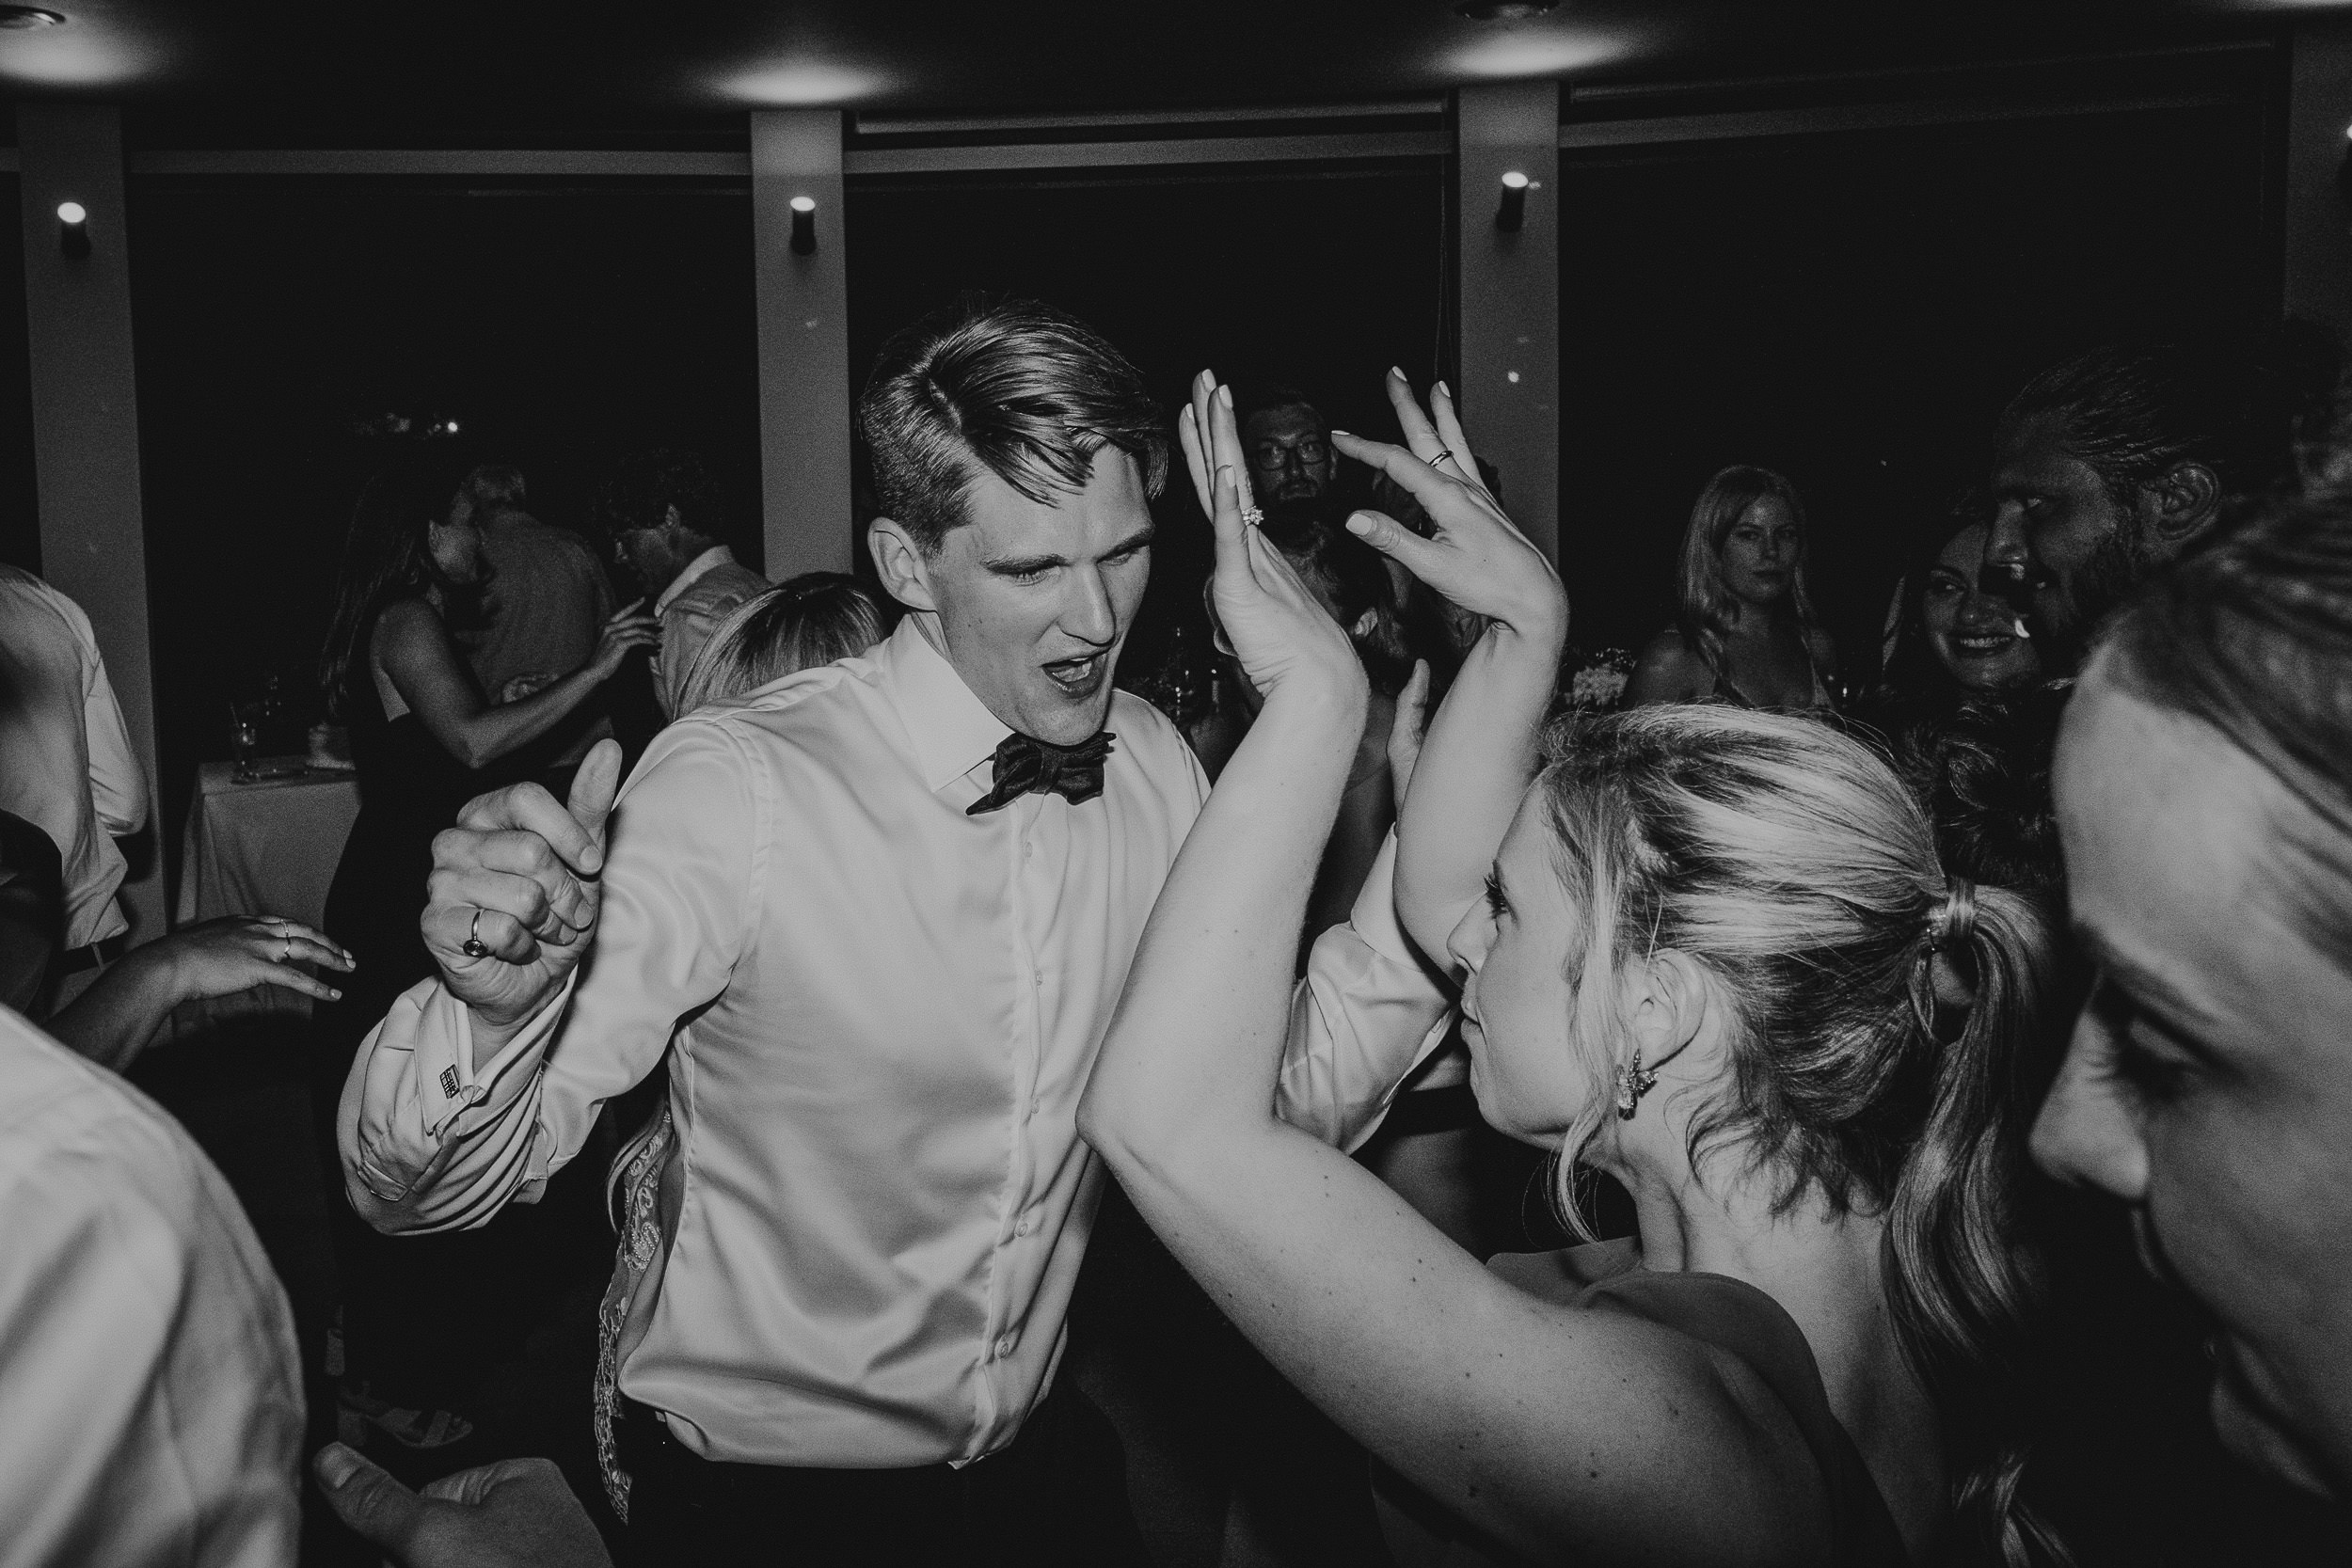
(1633, 1082)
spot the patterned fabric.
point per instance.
(637, 1184)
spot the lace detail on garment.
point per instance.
(639, 1187)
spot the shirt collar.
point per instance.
(717, 555)
(952, 729)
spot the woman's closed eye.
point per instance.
(1497, 905)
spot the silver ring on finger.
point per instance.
(287, 956)
(1442, 458)
(1252, 517)
(473, 947)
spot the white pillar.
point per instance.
(86, 425)
(2318, 226)
(804, 307)
(1510, 296)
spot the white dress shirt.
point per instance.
(150, 1410)
(66, 763)
(881, 1013)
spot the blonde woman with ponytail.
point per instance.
(1711, 952)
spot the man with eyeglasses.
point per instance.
(1289, 445)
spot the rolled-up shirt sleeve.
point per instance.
(1368, 1012)
(432, 1140)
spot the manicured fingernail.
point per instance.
(1397, 372)
(334, 995)
(1358, 523)
(1225, 396)
(1445, 392)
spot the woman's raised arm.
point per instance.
(1483, 745)
(1546, 1428)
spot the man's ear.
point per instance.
(901, 563)
(2184, 501)
(1366, 623)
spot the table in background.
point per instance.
(265, 847)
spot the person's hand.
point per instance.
(628, 628)
(1407, 730)
(517, 875)
(238, 952)
(1475, 556)
(515, 1513)
(1278, 632)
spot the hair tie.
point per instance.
(1953, 922)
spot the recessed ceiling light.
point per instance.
(24, 18)
(1502, 11)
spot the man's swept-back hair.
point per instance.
(1011, 387)
(2135, 411)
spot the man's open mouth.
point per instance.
(1078, 675)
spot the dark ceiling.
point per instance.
(361, 71)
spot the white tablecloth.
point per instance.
(265, 847)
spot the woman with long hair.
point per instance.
(426, 740)
(1710, 952)
(1745, 631)
(1951, 640)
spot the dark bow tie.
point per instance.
(1026, 764)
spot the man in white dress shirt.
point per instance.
(65, 763)
(662, 508)
(876, 917)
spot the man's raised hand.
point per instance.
(518, 880)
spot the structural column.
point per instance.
(1510, 296)
(2318, 225)
(85, 424)
(804, 304)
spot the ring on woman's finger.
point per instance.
(287, 956)
(1252, 516)
(472, 946)
(1442, 458)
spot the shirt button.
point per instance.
(1025, 1227)
(1037, 976)
(1027, 848)
(1005, 1343)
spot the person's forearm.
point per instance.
(114, 1020)
(1482, 750)
(495, 730)
(1199, 1033)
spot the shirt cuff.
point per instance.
(448, 1082)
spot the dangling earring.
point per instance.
(1633, 1082)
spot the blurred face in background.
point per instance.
(2208, 1085)
(1289, 453)
(456, 545)
(2055, 517)
(1975, 636)
(1761, 551)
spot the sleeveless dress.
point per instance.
(399, 1331)
(1732, 1315)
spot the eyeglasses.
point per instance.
(1272, 454)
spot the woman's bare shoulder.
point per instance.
(1668, 671)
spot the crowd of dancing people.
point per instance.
(913, 933)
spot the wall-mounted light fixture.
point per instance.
(1513, 211)
(2343, 170)
(803, 226)
(72, 229)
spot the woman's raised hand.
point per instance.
(630, 627)
(1476, 558)
(1278, 632)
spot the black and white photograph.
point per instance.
(1413, 784)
